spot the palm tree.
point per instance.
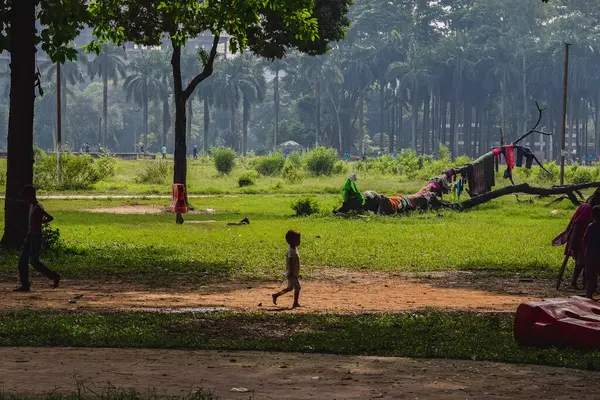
(70, 74)
(276, 66)
(142, 85)
(253, 86)
(109, 65)
(163, 75)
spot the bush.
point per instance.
(153, 172)
(78, 172)
(246, 179)
(577, 175)
(340, 167)
(105, 165)
(320, 161)
(305, 206)
(51, 238)
(224, 159)
(269, 165)
(294, 159)
(543, 178)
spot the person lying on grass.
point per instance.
(293, 268)
(30, 253)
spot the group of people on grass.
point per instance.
(582, 238)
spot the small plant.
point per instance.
(320, 161)
(224, 159)
(577, 175)
(544, 178)
(105, 165)
(153, 172)
(340, 167)
(306, 206)
(269, 165)
(246, 179)
(51, 238)
(78, 172)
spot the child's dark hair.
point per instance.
(292, 237)
(596, 213)
(28, 191)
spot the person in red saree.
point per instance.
(573, 235)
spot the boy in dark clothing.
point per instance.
(292, 268)
(30, 253)
(591, 242)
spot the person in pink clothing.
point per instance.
(573, 235)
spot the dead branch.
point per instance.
(534, 129)
(524, 188)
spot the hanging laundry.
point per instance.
(509, 155)
(490, 176)
(519, 160)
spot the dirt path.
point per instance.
(284, 376)
(337, 291)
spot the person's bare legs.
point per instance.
(281, 293)
(296, 298)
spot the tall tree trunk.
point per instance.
(166, 119)
(317, 111)
(206, 123)
(400, 123)
(392, 123)
(104, 100)
(381, 114)
(467, 128)
(145, 106)
(415, 118)
(361, 122)
(453, 135)
(19, 169)
(190, 115)
(276, 104)
(245, 121)
(234, 138)
(180, 153)
(502, 108)
(425, 136)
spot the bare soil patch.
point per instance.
(141, 209)
(35, 371)
(332, 290)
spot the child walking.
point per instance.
(293, 268)
(591, 242)
(30, 253)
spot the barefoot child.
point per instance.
(30, 253)
(293, 268)
(591, 242)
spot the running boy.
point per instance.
(293, 268)
(30, 253)
(591, 242)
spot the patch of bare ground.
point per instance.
(259, 375)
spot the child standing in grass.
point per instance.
(30, 253)
(292, 268)
(591, 242)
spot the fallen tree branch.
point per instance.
(526, 189)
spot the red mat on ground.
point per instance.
(572, 322)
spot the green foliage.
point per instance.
(153, 172)
(270, 165)
(51, 238)
(105, 165)
(340, 167)
(320, 161)
(224, 160)
(247, 179)
(38, 152)
(306, 206)
(443, 153)
(547, 179)
(78, 171)
(577, 175)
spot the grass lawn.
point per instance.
(428, 334)
(502, 236)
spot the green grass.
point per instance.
(430, 334)
(502, 236)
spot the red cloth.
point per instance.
(496, 151)
(509, 154)
(573, 235)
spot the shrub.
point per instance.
(153, 172)
(105, 165)
(295, 159)
(577, 175)
(340, 167)
(320, 161)
(224, 159)
(543, 178)
(269, 165)
(305, 206)
(78, 172)
(246, 179)
(51, 238)
(293, 175)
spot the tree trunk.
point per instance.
(245, 121)
(19, 168)
(502, 109)
(166, 119)
(146, 102)
(467, 128)
(206, 123)
(391, 125)
(452, 138)
(425, 137)
(361, 122)
(190, 115)
(276, 104)
(415, 118)
(318, 110)
(381, 114)
(104, 100)
(234, 138)
(180, 153)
